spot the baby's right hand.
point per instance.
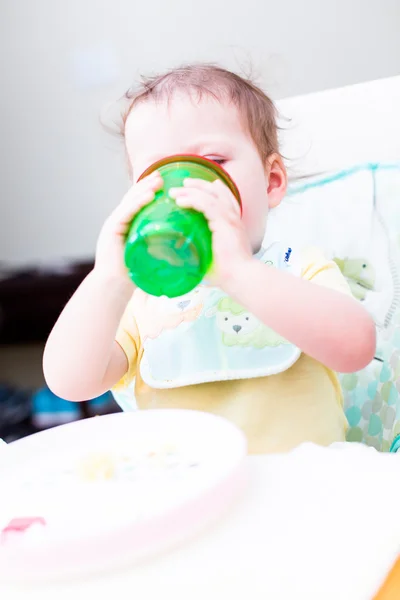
(111, 242)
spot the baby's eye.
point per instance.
(217, 159)
(226, 318)
(247, 318)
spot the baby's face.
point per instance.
(207, 128)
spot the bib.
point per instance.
(206, 336)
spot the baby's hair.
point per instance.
(257, 109)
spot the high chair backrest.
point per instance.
(354, 217)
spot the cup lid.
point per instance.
(206, 162)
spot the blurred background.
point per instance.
(61, 173)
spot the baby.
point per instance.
(260, 343)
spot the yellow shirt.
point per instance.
(276, 412)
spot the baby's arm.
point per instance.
(321, 320)
(82, 359)
(324, 323)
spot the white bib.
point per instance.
(206, 336)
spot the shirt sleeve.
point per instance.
(316, 268)
(129, 339)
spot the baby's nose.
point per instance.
(236, 328)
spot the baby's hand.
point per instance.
(111, 242)
(231, 246)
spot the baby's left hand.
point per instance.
(231, 246)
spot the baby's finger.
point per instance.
(216, 188)
(180, 192)
(211, 207)
(131, 204)
(224, 192)
(151, 181)
(151, 177)
(200, 184)
(150, 184)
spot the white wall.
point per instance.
(336, 129)
(60, 174)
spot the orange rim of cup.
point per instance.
(206, 162)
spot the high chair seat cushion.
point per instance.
(354, 217)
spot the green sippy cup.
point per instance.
(168, 249)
